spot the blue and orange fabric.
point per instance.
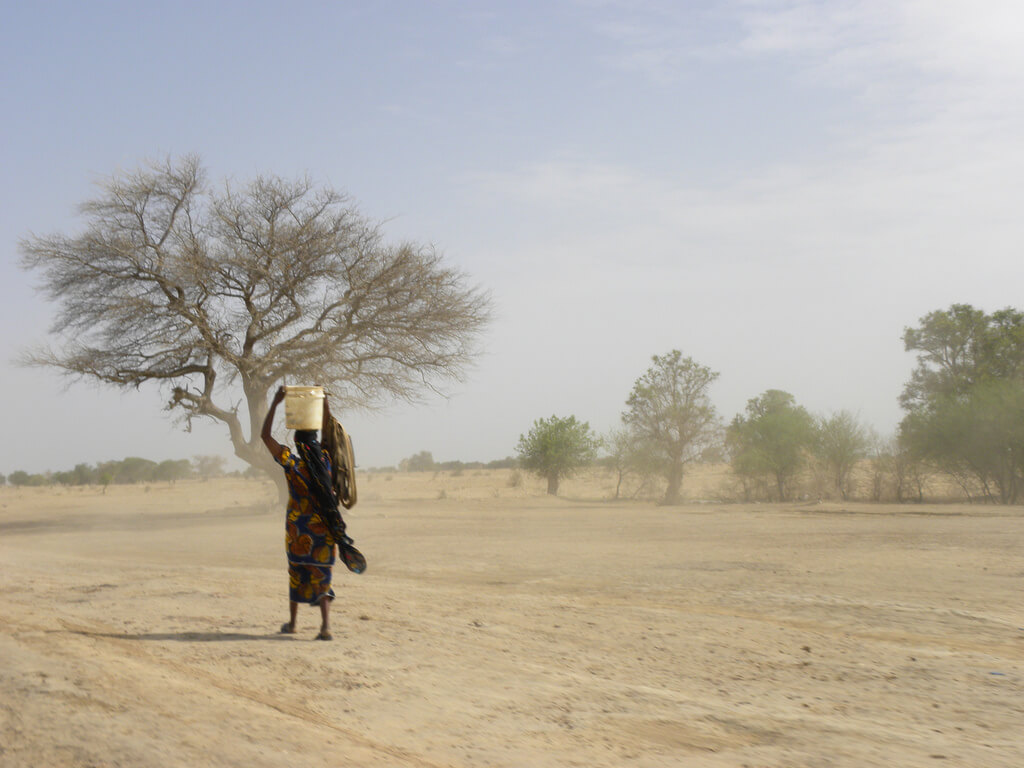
(308, 542)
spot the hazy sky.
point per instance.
(775, 187)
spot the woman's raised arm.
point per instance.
(275, 448)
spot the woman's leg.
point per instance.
(293, 611)
(325, 618)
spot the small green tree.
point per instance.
(419, 462)
(135, 469)
(978, 435)
(63, 478)
(84, 474)
(172, 470)
(671, 415)
(841, 442)
(620, 446)
(773, 438)
(20, 478)
(628, 456)
(555, 448)
(896, 465)
(209, 466)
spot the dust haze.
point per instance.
(777, 189)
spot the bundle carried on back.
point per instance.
(338, 444)
(336, 441)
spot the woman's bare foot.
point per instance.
(325, 618)
(288, 628)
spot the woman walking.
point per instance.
(309, 542)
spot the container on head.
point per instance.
(303, 407)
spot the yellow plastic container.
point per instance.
(303, 407)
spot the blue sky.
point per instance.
(775, 187)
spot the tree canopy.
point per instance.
(418, 462)
(773, 438)
(628, 456)
(555, 448)
(216, 291)
(960, 347)
(671, 415)
(964, 402)
(841, 441)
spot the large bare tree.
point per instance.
(220, 295)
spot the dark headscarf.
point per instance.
(319, 473)
(322, 489)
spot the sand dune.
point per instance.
(500, 627)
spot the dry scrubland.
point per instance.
(500, 627)
(703, 483)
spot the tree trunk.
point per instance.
(675, 483)
(553, 484)
(260, 458)
(841, 477)
(281, 483)
(780, 484)
(253, 452)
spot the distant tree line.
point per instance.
(127, 472)
(424, 462)
(964, 420)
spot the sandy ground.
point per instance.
(498, 627)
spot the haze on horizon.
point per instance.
(775, 187)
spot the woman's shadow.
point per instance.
(186, 637)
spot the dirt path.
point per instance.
(140, 631)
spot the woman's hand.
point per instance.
(279, 395)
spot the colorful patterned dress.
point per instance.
(308, 543)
